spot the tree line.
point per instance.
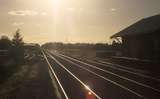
(97, 46)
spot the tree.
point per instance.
(18, 48)
(17, 38)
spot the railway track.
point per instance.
(80, 79)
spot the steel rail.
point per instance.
(139, 74)
(81, 82)
(53, 72)
(106, 71)
(113, 82)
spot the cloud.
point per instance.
(23, 13)
(26, 13)
(113, 9)
(71, 9)
(17, 23)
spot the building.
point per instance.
(142, 39)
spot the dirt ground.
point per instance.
(32, 81)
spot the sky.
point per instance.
(72, 21)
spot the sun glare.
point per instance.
(56, 4)
(87, 87)
(89, 93)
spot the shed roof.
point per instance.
(146, 25)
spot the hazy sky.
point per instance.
(88, 21)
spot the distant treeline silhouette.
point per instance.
(102, 50)
(97, 46)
